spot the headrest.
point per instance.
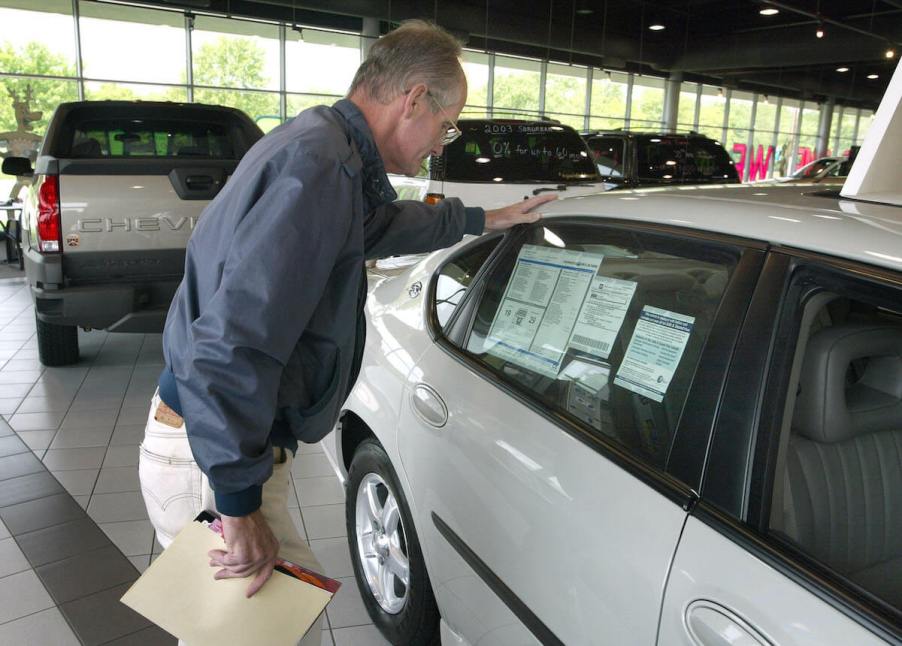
(87, 148)
(834, 405)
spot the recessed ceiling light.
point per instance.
(890, 52)
(842, 69)
(873, 76)
(769, 11)
(657, 27)
(584, 12)
(820, 30)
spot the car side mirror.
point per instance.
(18, 166)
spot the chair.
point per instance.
(843, 488)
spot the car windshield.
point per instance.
(833, 168)
(517, 152)
(681, 159)
(609, 154)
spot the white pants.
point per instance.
(175, 491)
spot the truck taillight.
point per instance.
(49, 225)
(433, 198)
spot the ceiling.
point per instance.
(723, 42)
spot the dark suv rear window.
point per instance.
(515, 152)
(683, 159)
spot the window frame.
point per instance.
(706, 383)
(775, 323)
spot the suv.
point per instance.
(498, 161)
(117, 189)
(632, 159)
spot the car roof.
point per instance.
(642, 133)
(805, 216)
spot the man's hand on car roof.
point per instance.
(514, 214)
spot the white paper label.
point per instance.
(654, 352)
(602, 315)
(541, 302)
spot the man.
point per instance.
(264, 336)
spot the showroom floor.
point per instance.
(69, 445)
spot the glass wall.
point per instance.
(128, 51)
(609, 91)
(476, 69)
(516, 87)
(711, 110)
(647, 107)
(565, 94)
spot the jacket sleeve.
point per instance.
(278, 263)
(407, 226)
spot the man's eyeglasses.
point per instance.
(452, 132)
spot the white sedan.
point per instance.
(654, 417)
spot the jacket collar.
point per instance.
(376, 187)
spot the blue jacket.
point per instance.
(265, 334)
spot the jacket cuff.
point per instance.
(239, 503)
(475, 220)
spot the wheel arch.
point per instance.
(353, 432)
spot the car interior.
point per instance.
(838, 483)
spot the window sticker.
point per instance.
(587, 391)
(654, 352)
(541, 303)
(602, 315)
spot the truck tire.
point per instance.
(57, 344)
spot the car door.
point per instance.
(797, 539)
(536, 449)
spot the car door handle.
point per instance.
(429, 405)
(710, 624)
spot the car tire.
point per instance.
(57, 344)
(406, 615)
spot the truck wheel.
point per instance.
(57, 344)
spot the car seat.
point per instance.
(842, 496)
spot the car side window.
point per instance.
(837, 492)
(604, 326)
(456, 275)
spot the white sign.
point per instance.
(602, 315)
(654, 352)
(541, 302)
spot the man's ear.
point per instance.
(415, 98)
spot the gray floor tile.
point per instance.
(8, 405)
(346, 608)
(44, 628)
(4, 532)
(22, 364)
(43, 405)
(30, 487)
(64, 392)
(298, 522)
(153, 636)
(325, 521)
(116, 507)
(327, 638)
(40, 513)
(84, 402)
(86, 573)
(11, 558)
(17, 390)
(22, 594)
(319, 491)
(133, 415)
(125, 455)
(118, 619)
(19, 376)
(37, 440)
(61, 541)
(10, 445)
(83, 501)
(81, 438)
(20, 464)
(307, 449)
(36, 421)
(78, 482)
(127, 434)
(359, 636)
(332, 554)
(78, 458)
(141, 562)
(5, 428)
(117, 480)
(93, 419)
(132, 537)
(312, 465)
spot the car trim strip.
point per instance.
(516, 605)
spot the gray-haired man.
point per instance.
(265, 334)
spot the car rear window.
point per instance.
(683, 159)
(515, 153)
(151, 138)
